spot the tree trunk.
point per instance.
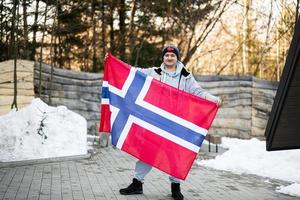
(7, 41)
(60, 61)
(51, 53)
(34, 28)
(60, 51)
(297, 12)
(25, 31)
(55, 28)
(111, 24)
(13, 38)
(86, 53)
(103, 31)
(67, 51)
(277, 55)
(95, 63)
(245, 37)
(55, 51)
(122, 17)
(1, 21)
(131, 30)
(51, 64)
(41, 50)
(284, 45)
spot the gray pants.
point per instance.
(142, 169)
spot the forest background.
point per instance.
(216, 37)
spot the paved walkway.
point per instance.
(101, 175)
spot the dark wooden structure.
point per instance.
(283, 128)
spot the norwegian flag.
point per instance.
(156, 123)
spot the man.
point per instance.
(171, 72)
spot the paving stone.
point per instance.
(101, 176)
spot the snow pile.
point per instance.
(251, 157)
(293, 190)
(40, 131)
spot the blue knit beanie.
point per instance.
(170, 48)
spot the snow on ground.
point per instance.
(41, 131)
(251, 157)
(293, 190)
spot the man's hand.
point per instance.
(220, 100)
(106, 55)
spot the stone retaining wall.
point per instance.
(25, 92)
(248, 101)
(79, 91)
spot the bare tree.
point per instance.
(278, 68)
(35, 29)
(25, 30)
(41, 50)
(265, 46)
(94, 42)
(60, 50)
(131, 36)
(103, 28)
(208, 27)
(297, 11)
(15, 19)
(246, 37)
(238, 49)
(1, 20)
(111, 25)
(122, 17)
(52, 57)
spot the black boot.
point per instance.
(136, 187)
(176, 194)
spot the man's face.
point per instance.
(170, 59)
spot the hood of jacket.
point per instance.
(179, 66)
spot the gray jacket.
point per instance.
(185, 80)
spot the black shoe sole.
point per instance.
(174, 197)
(131, 193)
